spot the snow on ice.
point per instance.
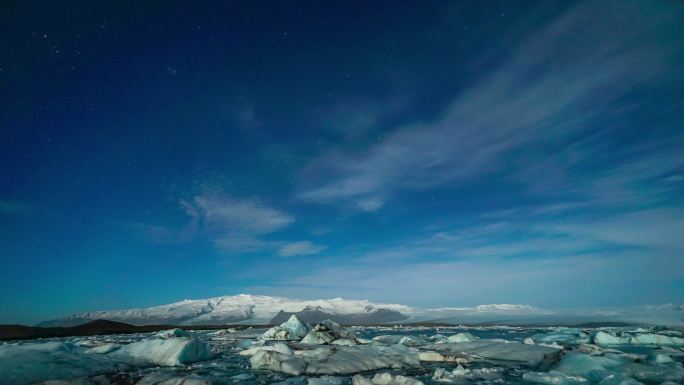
(297, 353)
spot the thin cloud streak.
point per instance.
(555, 83)
(300, 248)
(518, 258)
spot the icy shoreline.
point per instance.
(325, 353)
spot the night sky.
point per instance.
(425, 153)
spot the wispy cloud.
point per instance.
(532, 258)
(556, 82)
(234, 224)
(300, 248)
(217, 211)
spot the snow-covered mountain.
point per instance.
(243, 308)
(260, 309)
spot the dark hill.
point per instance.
(93, 328)
(97, 327)
(312, 315)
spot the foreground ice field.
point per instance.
(327, 354)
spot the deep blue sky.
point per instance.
(426, 153)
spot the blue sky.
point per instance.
(431, 154)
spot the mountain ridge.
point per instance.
(261, 309)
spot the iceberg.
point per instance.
(292, 329)
(172, 333)
(325, 332)
(563, 335)
(532, 356)
(432, 356)
(103, 349)
(602, 338)
(459, 374)
(278, 362)
(277, 347)
(335, 359)
(385, 379)
(462, 337)
(656, 339)
(346, 342)
(163, 379)
(165, 352)
(553, 378)
(349, 360)
(614, 367)
(30, 363)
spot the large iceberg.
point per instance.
(165, 352)
(385, 379)
(461, 374)
(602, 338)
(30, 363)
(325, 332)
(336, 359)
(533, 356)
(617, 366)
(292, 329)
(554, 378)
(462, 337)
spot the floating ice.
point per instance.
(278, 362)
(277, 347)
(35, 362)
(614, 367)
(346, 342)
(172, 333)
(163, 379)
(460, 373)
(462, 337)
(292, 329)
(103, 349)
(165, 352)
(563, 335)
(348, 360)
(335, 359)
(532, 356)
(553, 378)
(325, 332)
(657, 360)
(603, 338)
(656, 339)
(432, 356)
(385, 379)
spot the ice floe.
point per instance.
(385, 379)
(165, 352)
(462, 337)
(459, 374)
(292, 329)
(335, 359)
(532, 356)
(325, 332)
(554, 378)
